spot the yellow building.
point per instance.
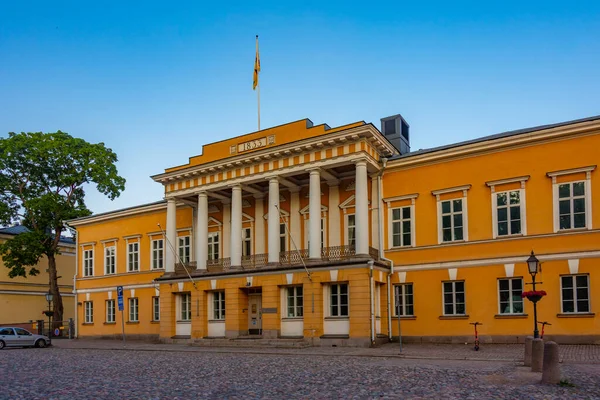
(440, 235)
(23, 299)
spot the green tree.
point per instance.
(42, 178)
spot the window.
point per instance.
(571, 205)
(508, 212)
(88, 262)
(401, 227)
(307, 235)
(157, 254)
(219, 305)
(282, 237)
(351, 229)
(184, 249)
(294, 302)
(404, 300)
(246, 242)
(338, 303)
(155, 308)
(186, 307)
(575, 291)
(110, 311)
(88, 308)
(213, 246)
(509, 293)
(452, 220)
(454, 298)
(110, 260)
(133, 256)
(133, 309)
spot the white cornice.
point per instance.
(400, 198)
(451, 190)
(507, 180)
(570, 171)
(115, 239)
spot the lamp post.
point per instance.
(532, 265)
(49, 298)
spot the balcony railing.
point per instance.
(286, 258)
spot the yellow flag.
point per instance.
(256, 67)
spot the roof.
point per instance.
(18, 229)
(116, 213)
(495, 136)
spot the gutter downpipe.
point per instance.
(371, 262)
(76, 330)
(381, 252)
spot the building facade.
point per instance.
(23, 299)
(327, 234)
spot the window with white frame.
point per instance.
(110, 311)
(508, 212)
(338, 300)
(282, 237)
(509, 295)
(403, 299)
(88, 308)
(133, 309)
(184, 249)
(307, 235)
(158, 253)
(155, 308)
(246, 242)
(213, 245)
(88, 262)
(351, 229)
(218, 305)
(110, 260)
(572, 205)
(454, 298)
(133, 256)
(185, 307)
(452, 220)
(401, 226)
(294, 301)
(575, 293)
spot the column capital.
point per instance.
(273, 178)
(315, 171)
(360, 162)
(235, 186)
(202, 194)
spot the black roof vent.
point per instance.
(396, 130)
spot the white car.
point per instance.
(19, 337)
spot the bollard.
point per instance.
(537, 355)
(528, 344)
(551, 368)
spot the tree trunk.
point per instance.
(57, 299)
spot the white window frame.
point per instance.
(88, 307)
(247, 238)
(575, 307)
(110, 311)
(297, 309)
(185, 307)
(157, 254)
(339, 305)
(522, 204)
(588, 195)
(107, 257)
(454, 304)
(465, 212)
(214, 242)
(133, 256)
(134, 315)
(401, 288)
(283, 237)
(155, 308)
(323, 232)
(217, 313)
(182, 246)
(390, 229)
(392, 221)
(88, 262)
(350, 229)
(511, 298)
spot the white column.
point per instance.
(236, 226)
(171, 245)
(375, 204)
(362, 209)
(259, 211)
(273, 225)
(295, 219)
(334, 216)
(314, 209)
(202, 232)
(226, 236)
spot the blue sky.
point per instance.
(157, 80)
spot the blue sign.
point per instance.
(120, 297)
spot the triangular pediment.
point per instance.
(305, 210)
(284, 214)
(212, 208)
(213, 222)
(247, 218)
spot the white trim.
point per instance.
(522, 214)
(114, 288)
(347, 229)
(575, 300)
(18, 292)
(88, 243)
(465, 219)
(106, 248)
(390, 225)
(136, 251)
(84, 260)
(185, 230)
(127, 238)
(570, 171)
(451, 190)
(588, 203)
(152, 253)
(412, 196)
(109, 241)
(498, 182)
(573, 266)
(510, 299)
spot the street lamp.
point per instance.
(49, 298)
(532, 265)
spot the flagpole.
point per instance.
(258, 86)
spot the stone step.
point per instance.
(252, 343)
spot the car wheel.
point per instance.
(41, 343)
(1, 344)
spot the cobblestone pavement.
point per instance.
(69, 373)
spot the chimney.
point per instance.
(395, 129)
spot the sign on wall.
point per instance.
(253, 144)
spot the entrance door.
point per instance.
(255, 314)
